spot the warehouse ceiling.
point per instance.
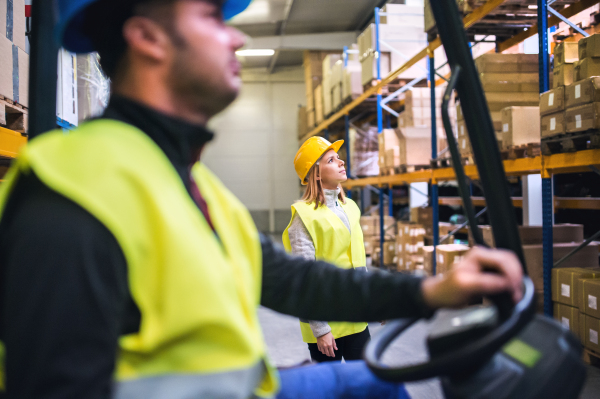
(291, 26)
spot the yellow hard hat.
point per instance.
(310, 152)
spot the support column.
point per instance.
(434, 186)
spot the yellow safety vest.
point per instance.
(333, 243)
(197, 293)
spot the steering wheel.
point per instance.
(467, 355)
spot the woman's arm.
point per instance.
(303, 246)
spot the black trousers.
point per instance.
(349, 347)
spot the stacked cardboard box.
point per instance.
(390, 147)
(409, 245)
(404, 33)
(417, 109)
(424, 217)
(464, 144)
(318, 97)
(588, 292)
(565, 59)
(582, 103)
(332, 69)
(508, 80)
(552, 112)
(589, 58)
(14, 60)
(427, 268)
(574, 294)
(389, 253)
(447, 255)
(371, 234)
(415, 145)
(520, 126)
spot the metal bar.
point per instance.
(348, 148)
(418, 191)
(460, 227)
(391, 111)
(461, 178)
(345, 56)
(42, 70)
(581, 246)
(404, 88)
(391, 201)
(547, 194)
(594, 169)
(565, 20)
(379, 130)
(434, 187)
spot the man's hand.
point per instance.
(471, 277)
(326, 344)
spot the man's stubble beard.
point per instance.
(199, 93)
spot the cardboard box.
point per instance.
(369, 246)
(585, 68)
(589, 47)
(389, 225)
(588, 295)
(428, 260)
(409, 239)
(510, 82)
(459, 114)
(583, 92)
(14, 74)
(568, 316)
(520, 125)
(367, 225)
(389, 252)
(588, 331)
(415, 145)
(582, 118)
(310, 117)
(507, 63)
(447, 255)
(565, 287)
(531, 235)
(464, 144)
(15, 30)
(319, 117)
(388, 139)
(563, 75)
(392, 158)
(424, 217)
(403, 15)
(566, 53)
(498, 100)
(553, 124)
(552, 101)
(586, 258)
(352, 84)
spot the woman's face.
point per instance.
(332, 170)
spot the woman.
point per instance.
(326, 225)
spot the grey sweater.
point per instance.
(302, 245)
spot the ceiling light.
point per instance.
(255, 53)
(532, 7)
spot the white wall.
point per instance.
(256, 140)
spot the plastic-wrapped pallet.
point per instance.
(366, 152)
(93, 88)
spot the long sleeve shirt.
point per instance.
(64, 296)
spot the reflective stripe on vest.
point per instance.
(333, 243)
(232, 385)
(197, 295)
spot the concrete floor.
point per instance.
(285, 346)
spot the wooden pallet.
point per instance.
(13, 116)
(393, 86)
(571, 142)
(466, 159)
(529, 150)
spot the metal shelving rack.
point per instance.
(547, 166)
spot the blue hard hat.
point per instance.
(69, 29)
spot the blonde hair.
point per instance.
(314, 189)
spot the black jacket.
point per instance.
(64, 297)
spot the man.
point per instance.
(129, 271)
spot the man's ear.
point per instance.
(146, 38)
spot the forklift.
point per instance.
(502, 350)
